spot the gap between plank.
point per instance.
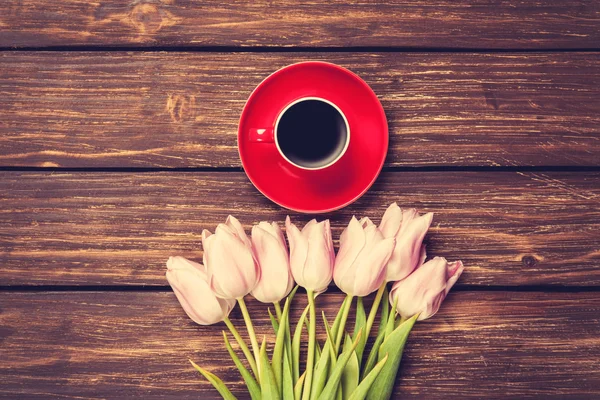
(166, 288)
(441, 168)
(297, 49)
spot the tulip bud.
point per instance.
(190, 284)
(271, 252)
(360, 264)
(409, 229)
(229, 259)
(425, 289)
(312, 255)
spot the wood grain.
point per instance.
(182, 109)
(119, 228)
(448, 24)
(136, 345)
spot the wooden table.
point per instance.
(118, 146)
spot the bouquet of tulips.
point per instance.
(369, 257)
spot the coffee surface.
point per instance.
(311, 133)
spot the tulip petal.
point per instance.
(298, 251)
(232, 270)
(352, 242)
(329, 244)
(207, 237)
(317, 272)
(273, 260)
(391, 221)
(190, 285)
(365, 222)
(407, 254)
(370, 270)
(425, 289)
(309, 226)
(455, 270)
(233, 223)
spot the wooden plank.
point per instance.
(182, 109)
(446, 24)
(119, 228)
(136, 345)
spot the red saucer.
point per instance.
(331, 188)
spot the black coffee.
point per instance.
(311, 133)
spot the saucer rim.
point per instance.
(382, 116)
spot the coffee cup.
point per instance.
(311, 133)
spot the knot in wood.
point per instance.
(529, 261)
(146, 17)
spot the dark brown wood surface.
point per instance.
(449, 24)
(118, 128)
(76, 228)
(162, 110)
(136, 345)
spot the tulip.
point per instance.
(409, 229)
(189, 281)
(360, 264)
(312, 255)
(311, 260)
(229, 259)
(425, 289)
(273, 259)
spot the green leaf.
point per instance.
(338, 318)
(243, 346)
(321, 370)
(274, 322)
(317, 350)
(288, 336)
(351, 373)
(251, 384)
(329, 392)
(393, 346)
(329, 339)
(279, 350)
(361, 321)
(341, 329)
(216, 382)
(361, 317)
(298, 387)
(389, 328)
(385, 309)
(288, 384)
(268, 384)
(374, 354)
(361, 391)
(296, 345)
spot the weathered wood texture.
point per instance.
(181, 109)
(449, 24)
(119, 228)
(136, 345)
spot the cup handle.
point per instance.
(262, 135)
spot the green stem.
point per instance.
(243, 346)
(310, 357)
(374, 309)
(250, 329)
(278, 310)
(342, 327)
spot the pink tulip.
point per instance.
(190, 284)
(312, 255)
(273, 259)
(360, 264)
(229, 259)
(426, 288)
(409, 229)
